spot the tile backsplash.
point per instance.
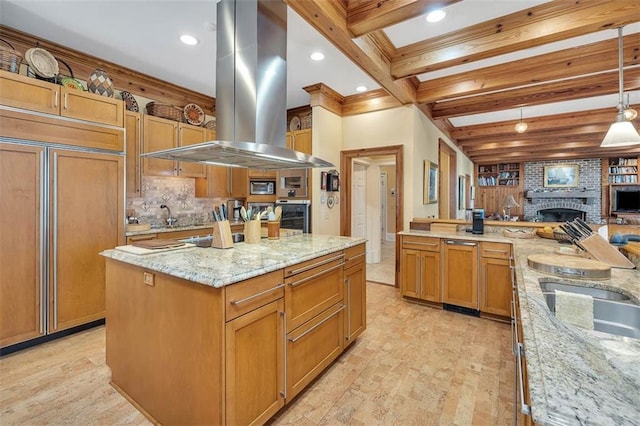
(179, 194)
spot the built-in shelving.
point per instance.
(623, 170)
(501, 174)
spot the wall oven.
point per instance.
(292, 183)
(296, 214)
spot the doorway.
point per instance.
(348, 175)
(447, 161)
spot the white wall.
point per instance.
(326, 139)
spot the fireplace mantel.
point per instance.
(585, 196)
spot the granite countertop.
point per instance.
(156, 230)
(219, 267)
(576, 376)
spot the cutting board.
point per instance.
(157, 243)
(570, 266)
(143, 251)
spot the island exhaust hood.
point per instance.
(251, 78)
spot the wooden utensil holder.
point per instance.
(252, 231)
(273, 230)
(222, 237)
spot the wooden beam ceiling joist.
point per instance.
(521, 30)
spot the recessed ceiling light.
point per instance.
(317, 56)
(189, 40)
(361, 89)
(436, 15)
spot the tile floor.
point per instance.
(384, 272)
(413, 365)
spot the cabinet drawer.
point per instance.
(317, 285)
(354, 256)
(312, 347)
(248, 295)
(495, 250)
(420, 243)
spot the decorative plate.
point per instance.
(193, 114)
(42, 62)
(71, 83)
(129, 101)
(294, 124)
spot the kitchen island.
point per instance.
(575, 376)
(229, 336)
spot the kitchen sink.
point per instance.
(613, 312)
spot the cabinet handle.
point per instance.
(296, 283)
(495, 251)
(41, 287)
(55, 241)
(324, 262)
(66, 105)
(295, 339)
(348, 282)
(461, 243)
(283, 393)
(355, 257)
(524, 408)
(55, 98)
(246, 299)
(421, 244)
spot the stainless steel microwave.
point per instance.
(292, 183)
(262, 187)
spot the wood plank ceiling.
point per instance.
(575, 73)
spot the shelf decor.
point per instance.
(430, 191)
(561, 176)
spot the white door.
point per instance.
(358, 201)
(383, 206)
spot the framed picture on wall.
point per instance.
(430, 192)
(561, 176)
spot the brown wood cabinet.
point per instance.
(355, 293)
(255, 386)
(85, 216)
(460, 278)
(133, 135)
(160, 134)
(300, 140)
(221, 181)
(495, 278)
(35, 95)
(523, 399)
(420, 268)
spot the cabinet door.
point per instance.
(239, 182)
(461, 273)
(300, 140)
(132, 125)
(21, 243)
(431, 283)
(356, 302)
(217, 182)
(255, 365)
(86, 217)
(191, 135)
(29, 93)
(411, 273)
(158, 134)
(91, 107)
(495, 286)
(312, 347)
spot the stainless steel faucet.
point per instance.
(170, 220)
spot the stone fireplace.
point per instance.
(563, 204)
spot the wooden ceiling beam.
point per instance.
(329, 18)
(535, 26)
(527, 155)
(365, 16)
(569, 63)
(571, 89)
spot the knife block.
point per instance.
(222, 237)
(252, 231)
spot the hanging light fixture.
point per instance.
(621, 132)
(629, 113)
(521, 126)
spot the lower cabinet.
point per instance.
(355, 280)
(523, 399)
(460, 284)
(420, 268)
(495, 278)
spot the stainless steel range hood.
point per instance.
(251, 77)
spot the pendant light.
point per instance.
(621, 132)
(521, 126)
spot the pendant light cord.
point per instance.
(620, 71)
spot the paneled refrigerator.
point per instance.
(60, 206)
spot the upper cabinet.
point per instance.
(299, 140)
(133, 128)
(35, 95)
(160, 134)
(221, 181)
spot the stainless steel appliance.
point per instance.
(296, 214)
(262, 187)
(233, 207)
(292, 183)
(259, 207)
